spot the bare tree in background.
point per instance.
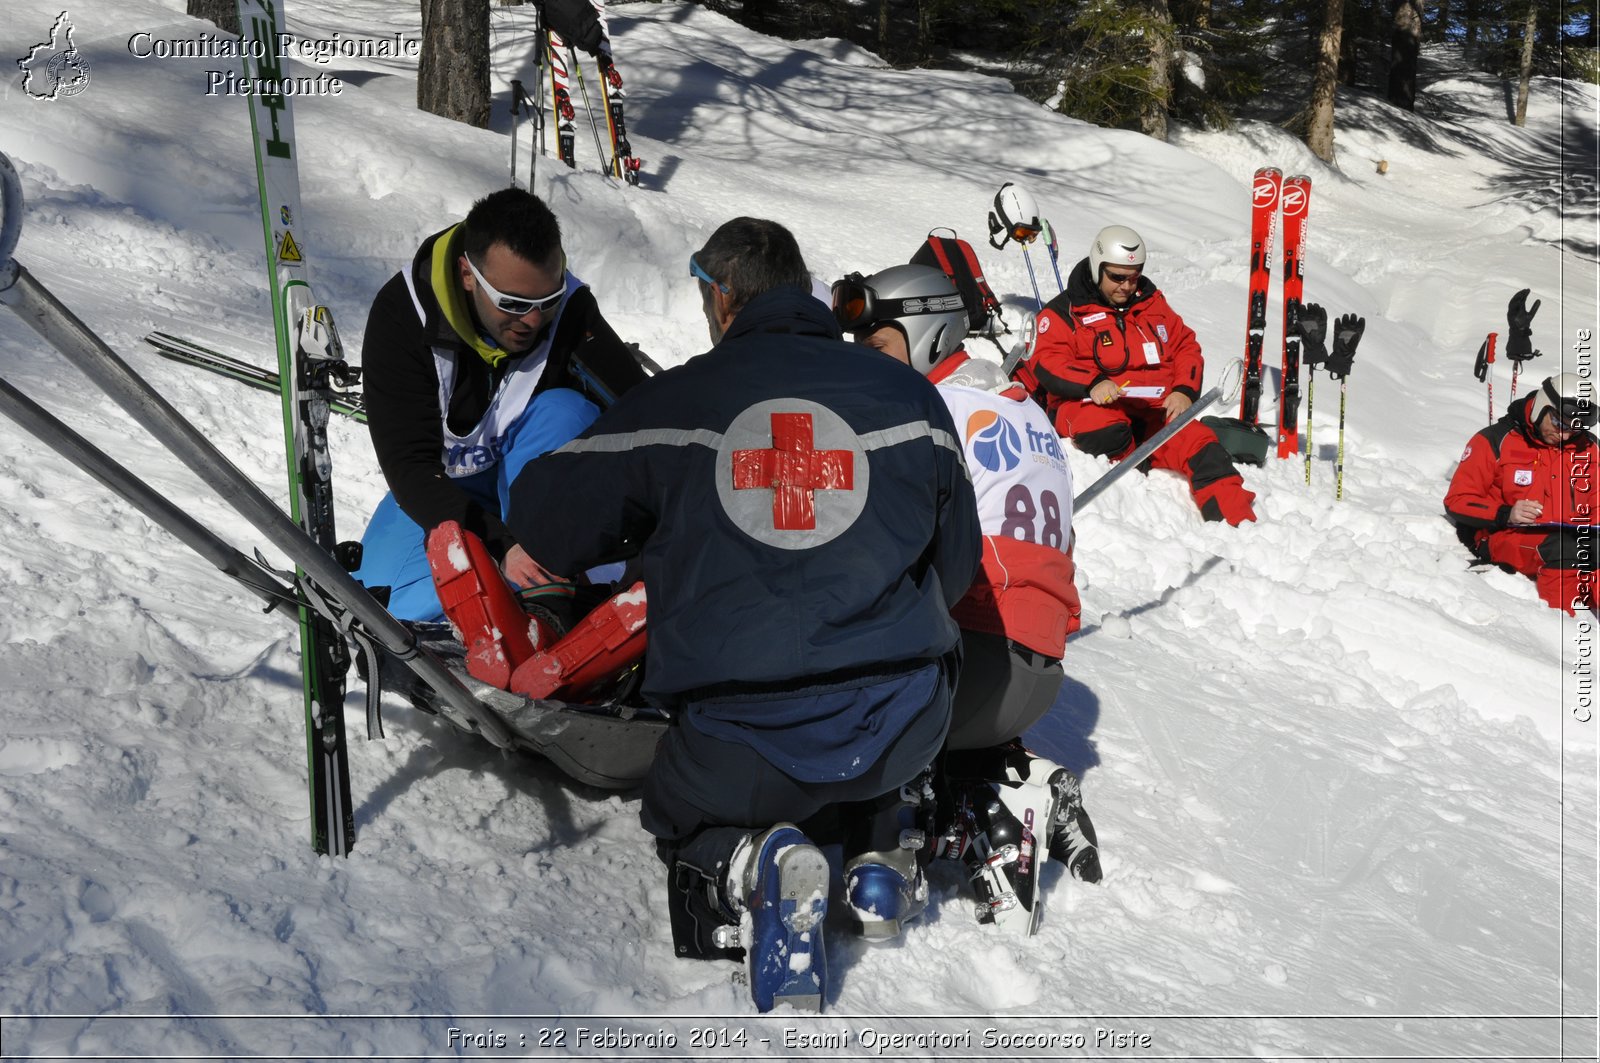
(1525, 68)
(1405, 48)
(1158, 84)
(453, 74)
(223, 14)
(1325, 81)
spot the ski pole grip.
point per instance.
(10, 220)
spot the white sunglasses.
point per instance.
(518, 305)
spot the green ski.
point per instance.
(309, 358)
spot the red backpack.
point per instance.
(955, 258)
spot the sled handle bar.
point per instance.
(1227, 388)
(10, 220)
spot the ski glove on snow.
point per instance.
(1519, 324)
(1346, 335)
(1313, 335)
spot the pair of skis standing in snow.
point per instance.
(565, 28)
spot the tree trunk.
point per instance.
(1405, 46)
(1349, 59)
(453, 73)
(1525, 69)
(883, 28)
(1158, 36)
(223, 14)
(1325, 82)
(1471, 19)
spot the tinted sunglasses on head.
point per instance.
(518, 305)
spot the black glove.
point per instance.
(1313, 335)
(1346, 335)
(1519, 325)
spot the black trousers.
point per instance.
(1004, 690)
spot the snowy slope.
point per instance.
(1334, 772)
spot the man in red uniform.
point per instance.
(1118, 363)
(1524, 494)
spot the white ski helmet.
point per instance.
(1016, 213)
(920, 300)
(1569, 397)
(1117, 245)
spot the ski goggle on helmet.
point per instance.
(920, 300)
(1567, 397)
(1015, 214)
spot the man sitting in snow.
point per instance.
(477, 358)
(1118, 363)
(1016, 616)
(804, 522)
(1524, 495)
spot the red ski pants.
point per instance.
(1564, 582)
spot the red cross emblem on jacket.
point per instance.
(794, 470)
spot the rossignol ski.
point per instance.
(1264, 192)
(561, 100)
(348, 402)
(1296, 203)
(623, 163)
(309, 361)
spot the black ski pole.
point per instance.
(583, 87)
(517, 98)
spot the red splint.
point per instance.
(597, 648)
(498, 635)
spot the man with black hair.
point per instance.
(804, 522)
(485, 353)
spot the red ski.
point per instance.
(1296, 201)
(1264, 193)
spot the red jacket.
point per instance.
(1505, 463)
(1082, 340)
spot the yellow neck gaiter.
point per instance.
(454, 302)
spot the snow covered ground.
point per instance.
(1346, 796)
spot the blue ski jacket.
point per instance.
(800, 506)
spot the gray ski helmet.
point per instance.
(1017, 213)
(1569, 397)
(1115, 245)
(926, 306)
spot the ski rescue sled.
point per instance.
(609, 744)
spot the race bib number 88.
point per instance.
(1033, 521)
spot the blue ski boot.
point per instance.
(885, 887)
(786, 897)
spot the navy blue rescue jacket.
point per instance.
(800, 505)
